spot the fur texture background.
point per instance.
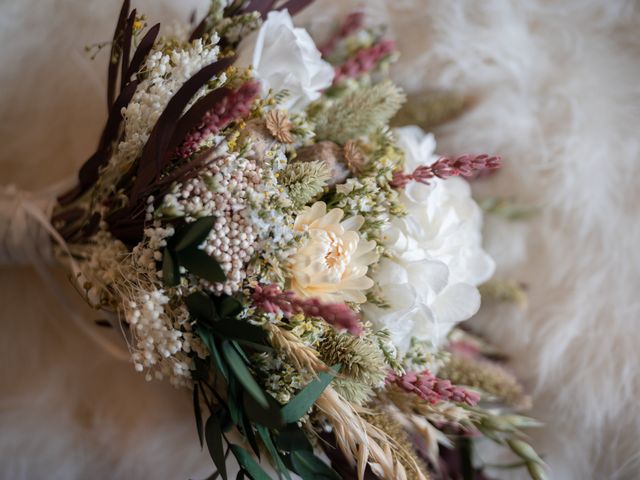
(557, 94)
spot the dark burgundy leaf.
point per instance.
(70, 195)
(198, 32)
(92, 225)
(90, 170)
(69, 216)
(185, 171)
(115, 115)
(193, 117)
(112, 72)
(155, 149)
(126, 49)
(146, 44)
(295, 6)
(261, 6)
(128, 233)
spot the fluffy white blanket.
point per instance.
(556, 88)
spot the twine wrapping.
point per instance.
(27, 237)
(24, 227)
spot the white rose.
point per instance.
(435, 259)
(286, 58)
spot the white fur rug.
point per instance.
(557, 92)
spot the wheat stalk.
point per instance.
(363, 441)
(302, 356)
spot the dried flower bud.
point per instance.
(331, 155)
(353, 156)
(258, 134)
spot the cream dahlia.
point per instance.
(333, 261)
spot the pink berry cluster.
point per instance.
(351, 24)
(273, 300)
(432, 389)
(364, 60)
(465, 165)
(234, 106)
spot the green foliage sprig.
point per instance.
(359, 112)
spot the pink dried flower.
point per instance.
(432, 389)
(364, 60)
(272, 300)
(465, 165)
(464, 348)
(231, 107)
(352, 23)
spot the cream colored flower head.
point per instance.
(333, 261)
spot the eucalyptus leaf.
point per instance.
(250, 435)
(292, 438)
(310, 467)
(234, 400)
(197, 262)
(213, 434)
(242, 331)
(230, 307)
(198, 414)
(201, 307)
(243, 374)
(302, 402)
(265, 436)
(193, 234)
(170, 269)
(218, 361)
(269, 417)
(248, 463)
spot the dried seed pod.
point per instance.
(279, 125)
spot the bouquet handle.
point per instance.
(27, 238)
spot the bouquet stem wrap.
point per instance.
(27, 238)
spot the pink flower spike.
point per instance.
(351, 24)
(432, 389)
(464, 165)
(364, 60)
(235, 105)
(273, 300)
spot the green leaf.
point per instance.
(250, 435)
(210, 343)
(243, 374)
(302, 402)
(230, 307)
(264, 434)
(292, 438)
(198, 413)
(234, 401)
(201, 307)
(193, 234)
(269, 417)
(170, 269)
(197, 262)
(248, 463)
(310, 467)
(242, 331)
(213, 434)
